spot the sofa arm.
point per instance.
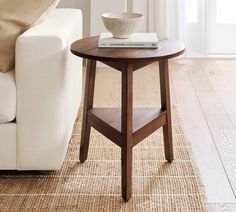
(49, 87)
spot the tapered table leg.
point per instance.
(127, 128)
(88, 104)
(166, 105)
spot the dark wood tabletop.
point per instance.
(88, 48)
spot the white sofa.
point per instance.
(39, 100)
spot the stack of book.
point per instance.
(137, 40)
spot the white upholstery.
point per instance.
(8, 146)
(49, 88)
(7, 97)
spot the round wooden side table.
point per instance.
(126, 127)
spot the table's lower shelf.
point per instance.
(108, 122)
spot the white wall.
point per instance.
(84, 5)
(98, 7)
(92, 10)
(68, 3)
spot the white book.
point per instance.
(137, 40)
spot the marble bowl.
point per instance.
(122, 25)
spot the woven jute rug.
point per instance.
(95, 185)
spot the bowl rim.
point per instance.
(105, 15)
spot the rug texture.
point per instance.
(96, 184)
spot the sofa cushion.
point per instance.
(16, 16)
(7, 96)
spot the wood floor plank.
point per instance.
(197, 132)
(108, 88)
(226, 95)
(221, 207)
(146, 94)
(221, 75)
(220, 125)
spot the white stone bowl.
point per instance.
(122, 25)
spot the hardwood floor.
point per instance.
(204, 90)
(207, 126)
